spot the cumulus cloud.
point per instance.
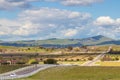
(46, 23)
(46, 20)
(105, 25)
(13, 4)
(104, 21)
(22, 4)
(75, 2)
(70, 32)
(8, 26)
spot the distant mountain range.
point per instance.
(54, 42)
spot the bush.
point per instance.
(70, 48)
(116, 58)
(72, 60)
(66, 59)
(41, 59)
(5, 63)
(90, 58)
(77, 59)
(107, 58)
(50, 61)
(20, 62)
(33, 61)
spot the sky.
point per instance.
(44, 19)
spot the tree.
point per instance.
(50, 61)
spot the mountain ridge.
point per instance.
(55, 42)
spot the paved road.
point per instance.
(24, 72)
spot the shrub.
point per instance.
(59, 59)
(116, 58)
(66, 59)
(5, 63)
(36, 62)
(70, 48)
(77, 59)
(33, 61)
(72, 60)
(20, 62)
(90, 58)
(41, 59)
(107, 58)
(50, 61)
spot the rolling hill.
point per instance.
(54, 42)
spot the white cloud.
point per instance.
(70, 32)
(106, 25)
(13, 4)
(22, 4)
(26, 29)
(44, 23)
(104, 21)
(8, 26)
(75, 2)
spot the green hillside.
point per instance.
(54, 42)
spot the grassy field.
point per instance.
(71, 62)
(110, 63)
(77, 73)
(11, 49)
(6, 68)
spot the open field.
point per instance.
(71, 62)
(113, 55)
(77, 73)
(7, 68)
(110, 63)
(11, 49)
(37, 49)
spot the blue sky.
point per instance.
(43, 19)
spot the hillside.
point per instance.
(95, 40)
(54, 42)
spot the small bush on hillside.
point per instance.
(60, 60)
(72, 60)
(90, 58)
(5, 63)
(50, 61)
(77, 59)
(41, 59)
(107, 58)
(116, 58)
(33, 61)
(20, 62)
(66, 59)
